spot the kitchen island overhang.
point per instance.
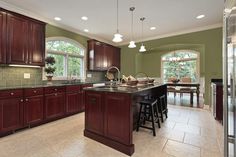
(111, 113)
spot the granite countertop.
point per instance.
(47, 85)
(125, 89)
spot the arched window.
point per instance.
(69, 56)
(181, 63)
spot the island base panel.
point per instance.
(127, 149)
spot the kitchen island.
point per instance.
(111, 113)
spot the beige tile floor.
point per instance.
(187, 132)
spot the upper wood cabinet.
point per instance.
(101, 56)
(22, 38)
(3, 37)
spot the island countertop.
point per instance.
(123, 88)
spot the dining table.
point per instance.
(191, 85)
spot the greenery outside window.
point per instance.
(69, 56)
(181, 63)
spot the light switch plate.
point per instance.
(26, 75)
(89, 75)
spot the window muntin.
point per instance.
(69, 57)
(182, 63)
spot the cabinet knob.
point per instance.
(55, 94)
(21, 100)
(26, 99)
(35, 91)
(12, 93)
(55, 89)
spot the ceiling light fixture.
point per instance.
(86, 30)
(85, 18)
(117, 37)
(57, 18)
(152, 28)
(132, 43)
(200, 16)
(142, 48)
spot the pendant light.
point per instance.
(132, 43)
(117, 37)
(142, 48)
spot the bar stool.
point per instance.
(162, 107)
(147, 112)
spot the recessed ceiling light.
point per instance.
(152, 28)
(57, 18)
(86, 30)
(85, 18)
(200, 16)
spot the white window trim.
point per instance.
(182, 50)
(66, 56)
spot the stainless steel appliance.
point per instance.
(229, 81)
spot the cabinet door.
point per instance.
(17, 44)
(99, 63)
(73, 102)
(54, 105)
(82, 107)
(33, 110)
(37, 43)
(117, 114)
(116, 57)
(108, 55)
(94, 112)
(11, 114)
(3, 37)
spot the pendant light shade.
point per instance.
(142, 48)
(132, 43)
(117, 37)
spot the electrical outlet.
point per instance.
(89, 75)
(26, 75)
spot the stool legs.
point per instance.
(139, 117)
(152, 119)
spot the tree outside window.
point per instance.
(69, 56)
(181, 63)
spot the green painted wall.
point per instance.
(208, 43)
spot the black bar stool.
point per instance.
(146, 113)
(162, 106)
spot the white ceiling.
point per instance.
(169, 16)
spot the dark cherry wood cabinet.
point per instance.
(54, 102)
(11, 110)
(116, 111)
(83, 95)
(22, 38)
(101, 56)
(3, 37)
(94, 110)
(17, 39)
(73, 99)
(37, 43)
(33, 106)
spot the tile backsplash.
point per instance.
(14, 76)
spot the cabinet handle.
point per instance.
(35, 91)
(55, 89)
(12, 93)
(21, 100)
(55, 94)
(26, 99)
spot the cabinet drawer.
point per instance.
(73, 88)
(11, 93)
(50, 90)
(33, 92)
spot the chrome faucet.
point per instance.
(118, 75)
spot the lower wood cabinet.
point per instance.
(54, 106)
(116, 111)
(73, 99)
(11, 114)
(94, 112)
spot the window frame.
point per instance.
(66, 56)
(188, 59)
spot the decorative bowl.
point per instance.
(132, 83)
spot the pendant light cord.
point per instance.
(132, 24)
(117, 12)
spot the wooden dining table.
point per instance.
(186, 84)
